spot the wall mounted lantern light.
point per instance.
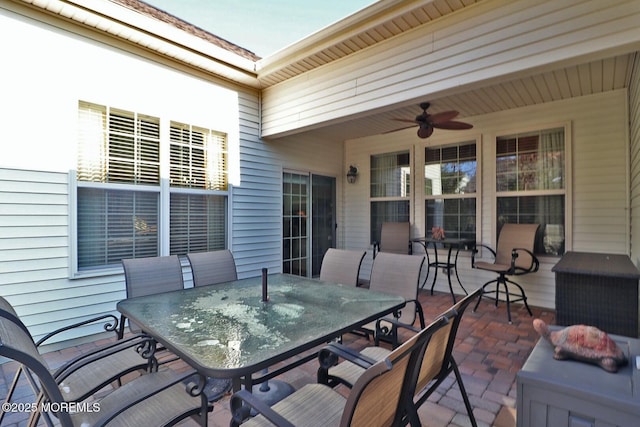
(352, 174)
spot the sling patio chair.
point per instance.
(153, 275)
(148, 276)
(512, 257)
(341, 266)
(376, 399)
(156, 398)
(436, 365)
(394, 238)
(80, 377)
(398, 275)
(213, 267)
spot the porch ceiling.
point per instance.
(387, 19)
(566, 82)
(377, 23)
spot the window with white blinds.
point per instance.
(390, 190)
(120, 193)
(198, 158)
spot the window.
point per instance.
(530, 185)
(120, 191)
(450, 174)
(390, 190)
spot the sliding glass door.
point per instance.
(308, 222)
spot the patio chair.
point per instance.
(398, 275)
(512, 257)
(81, 377)
(213, 267)
(436, 365)
(148, 276)
(157, 398)
(376, 398)
(394, 238)
(341, 266)
(152, 275)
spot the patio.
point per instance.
(489, 352)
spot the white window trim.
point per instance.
(163, 189)
(568, 190)
(420, 191)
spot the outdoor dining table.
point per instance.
(227, 330)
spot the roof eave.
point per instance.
(155, 35)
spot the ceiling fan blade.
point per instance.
(452, 125)
(402, 128)
(445, 116)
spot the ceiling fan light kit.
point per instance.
(428, 122)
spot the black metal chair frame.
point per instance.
(453, 314)
(502, 280)
(142, 344)
(243, 401)
(46, 385)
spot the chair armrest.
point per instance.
(241, 403)
(109, 327)
(144, 345)
(328, 356)
(475, 251)
(395, 323)
(516, 271)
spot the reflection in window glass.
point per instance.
(530, 185)
(390, 190)
(450, 174)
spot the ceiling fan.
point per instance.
(427, 122)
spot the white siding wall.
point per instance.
(600, 181)
(496, 39)
(51, 70)
(634, 137)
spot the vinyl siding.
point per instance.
(35, 206)
(634, 137)
(490, 42)
(599, 181)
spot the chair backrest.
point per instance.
(152, 275)
(394, 237)
(341, 266)
(6, 306)
(379, 394)
(213, 267)
(398, 275)
(8, 312)
(439, 351)
(17, 345)
(516, 236)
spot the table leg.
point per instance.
(270, 391)
(457, 276)
(449, 266)
(435, 264)
(424, 245)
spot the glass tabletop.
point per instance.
(226, 330)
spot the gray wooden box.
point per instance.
(567, 393)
